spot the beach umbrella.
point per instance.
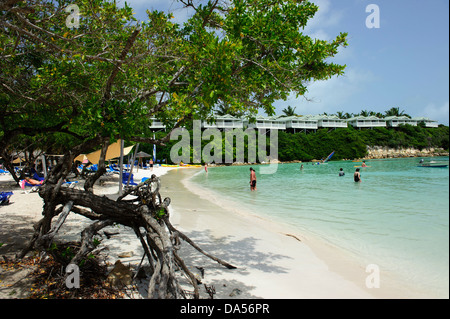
(143, 154)
(112, 152)
(18, 160)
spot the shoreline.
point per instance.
(337, 262)
(366, 158)
(273, 261)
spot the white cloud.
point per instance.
(326, 18)
(437, 112)
(330, 96)
(180, 13)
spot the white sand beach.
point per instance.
(271, 261)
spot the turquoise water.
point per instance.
(397, 217)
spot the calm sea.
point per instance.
(396, 218)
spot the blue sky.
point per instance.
(404, 63)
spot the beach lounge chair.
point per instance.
(24, 183)
(2, 171)
(69, 184)
(125, 179)
(111, 170)
(4, 197)
(34, 188)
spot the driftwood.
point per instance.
(140, 207)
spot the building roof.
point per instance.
(323, 117)
(423, 119)
(403, 117)
(226, 117)
(371, 118)
(298, 118)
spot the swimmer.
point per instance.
(357, 176)
(252, 179)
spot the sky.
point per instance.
(402, 62)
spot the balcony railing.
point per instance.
(222, 124)
(302, 125)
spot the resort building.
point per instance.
(394, 121)
(268, 123)
(327, 121)
(426, 121)
(223, 122)
(366, 122)
(304, 123)
(300, 123)
(156, 124)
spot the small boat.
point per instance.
(434, 164)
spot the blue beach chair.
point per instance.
(125, 179)
(36, 177)
(73, 184)
(4, 197)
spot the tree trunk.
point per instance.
(146, 210)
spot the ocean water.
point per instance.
(396, 218)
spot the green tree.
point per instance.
(348, 115)
(340, 114)
(364, 113)
(289, 111)
(395, 111)
(108, 77)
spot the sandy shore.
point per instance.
(25, 209)
(272, 261)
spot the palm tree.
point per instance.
(289, 111)
(224, 109)
(348, 115)
(379, 115)
(340, 114)
(395, 111)
(364, 113)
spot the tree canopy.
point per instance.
(111, 74)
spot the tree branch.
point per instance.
(126, 49)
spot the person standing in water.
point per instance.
(151, 164)
(357, 176)
(252, 179)
(341, 172)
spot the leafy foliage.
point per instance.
(348, 142)
(110, 75)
